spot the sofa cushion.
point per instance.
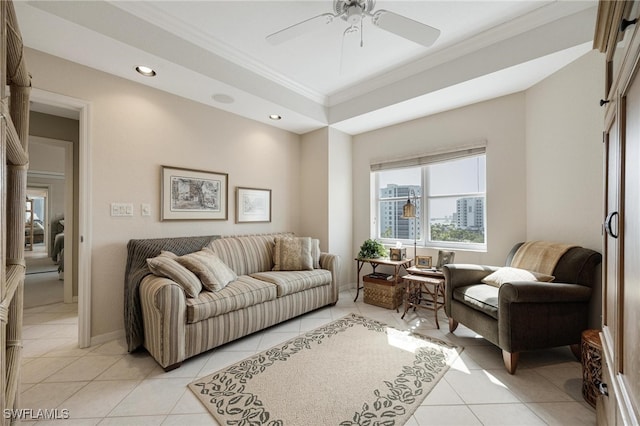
(315, 252)
(165, 265)
(482, 297)
(211, 270)
(258, 252)
(247, 254)
(508, 274)
(241, 293)
(289, 282)
(292, 254)
(230, 251)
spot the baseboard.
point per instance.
(107, 337)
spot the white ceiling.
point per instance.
(203, 48)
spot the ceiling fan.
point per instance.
(353, 12)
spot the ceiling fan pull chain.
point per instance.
(361, 33)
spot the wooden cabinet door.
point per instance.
(611, 263)
(628, 331)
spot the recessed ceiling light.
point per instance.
(275, 117)
(223, 98)
(146, 71)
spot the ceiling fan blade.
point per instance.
(405, 27)
(296, 30)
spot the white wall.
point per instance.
(564, 124)
(326, 194)
(500, 122)
(134, 130)
(48, 159)
(340, 203)
(314, 181)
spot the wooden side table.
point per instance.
(591, 354)
(424, 291)
(397, 266)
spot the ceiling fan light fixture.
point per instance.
(354, 14)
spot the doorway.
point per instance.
(50, 193)
(42, 284)
(77, 258)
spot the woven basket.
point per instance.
(383, 295)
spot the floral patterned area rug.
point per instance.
(352, 371)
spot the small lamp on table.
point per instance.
(409, 212)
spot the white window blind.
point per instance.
(427, 159)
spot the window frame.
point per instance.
(425, 198)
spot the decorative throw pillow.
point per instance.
(165, 265)
(211, 270)
(315, 252)
(292, 254)
(508, 274)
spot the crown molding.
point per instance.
(543, 15)
(155, 16)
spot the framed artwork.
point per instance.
(253, 205)
(423, 262)
(193, 194)
(445, 257)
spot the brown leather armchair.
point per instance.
(524, 315)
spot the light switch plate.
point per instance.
(121, 209)
(145, 209)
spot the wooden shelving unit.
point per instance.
(14, 161)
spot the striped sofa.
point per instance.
(174, 327)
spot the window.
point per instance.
(448, 191)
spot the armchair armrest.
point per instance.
(535, 315)
(460, 275)
(543, 292)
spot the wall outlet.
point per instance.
(121, 209)
(145, 209)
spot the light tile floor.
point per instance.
(105, 385)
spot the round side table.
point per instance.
(591, 355)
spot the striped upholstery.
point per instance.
(243, 292)
(258, 252)
(138, 251)
(212, 271)
(331, 263)
(176, 327)
(166, 265)
(230, 251)
(164, 310)
(213, 332)
(294, 281)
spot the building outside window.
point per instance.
(449, 191)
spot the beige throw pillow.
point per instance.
(315, 252)
(211, 270)
(508, 274)
(292, 254)
(165, 265)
